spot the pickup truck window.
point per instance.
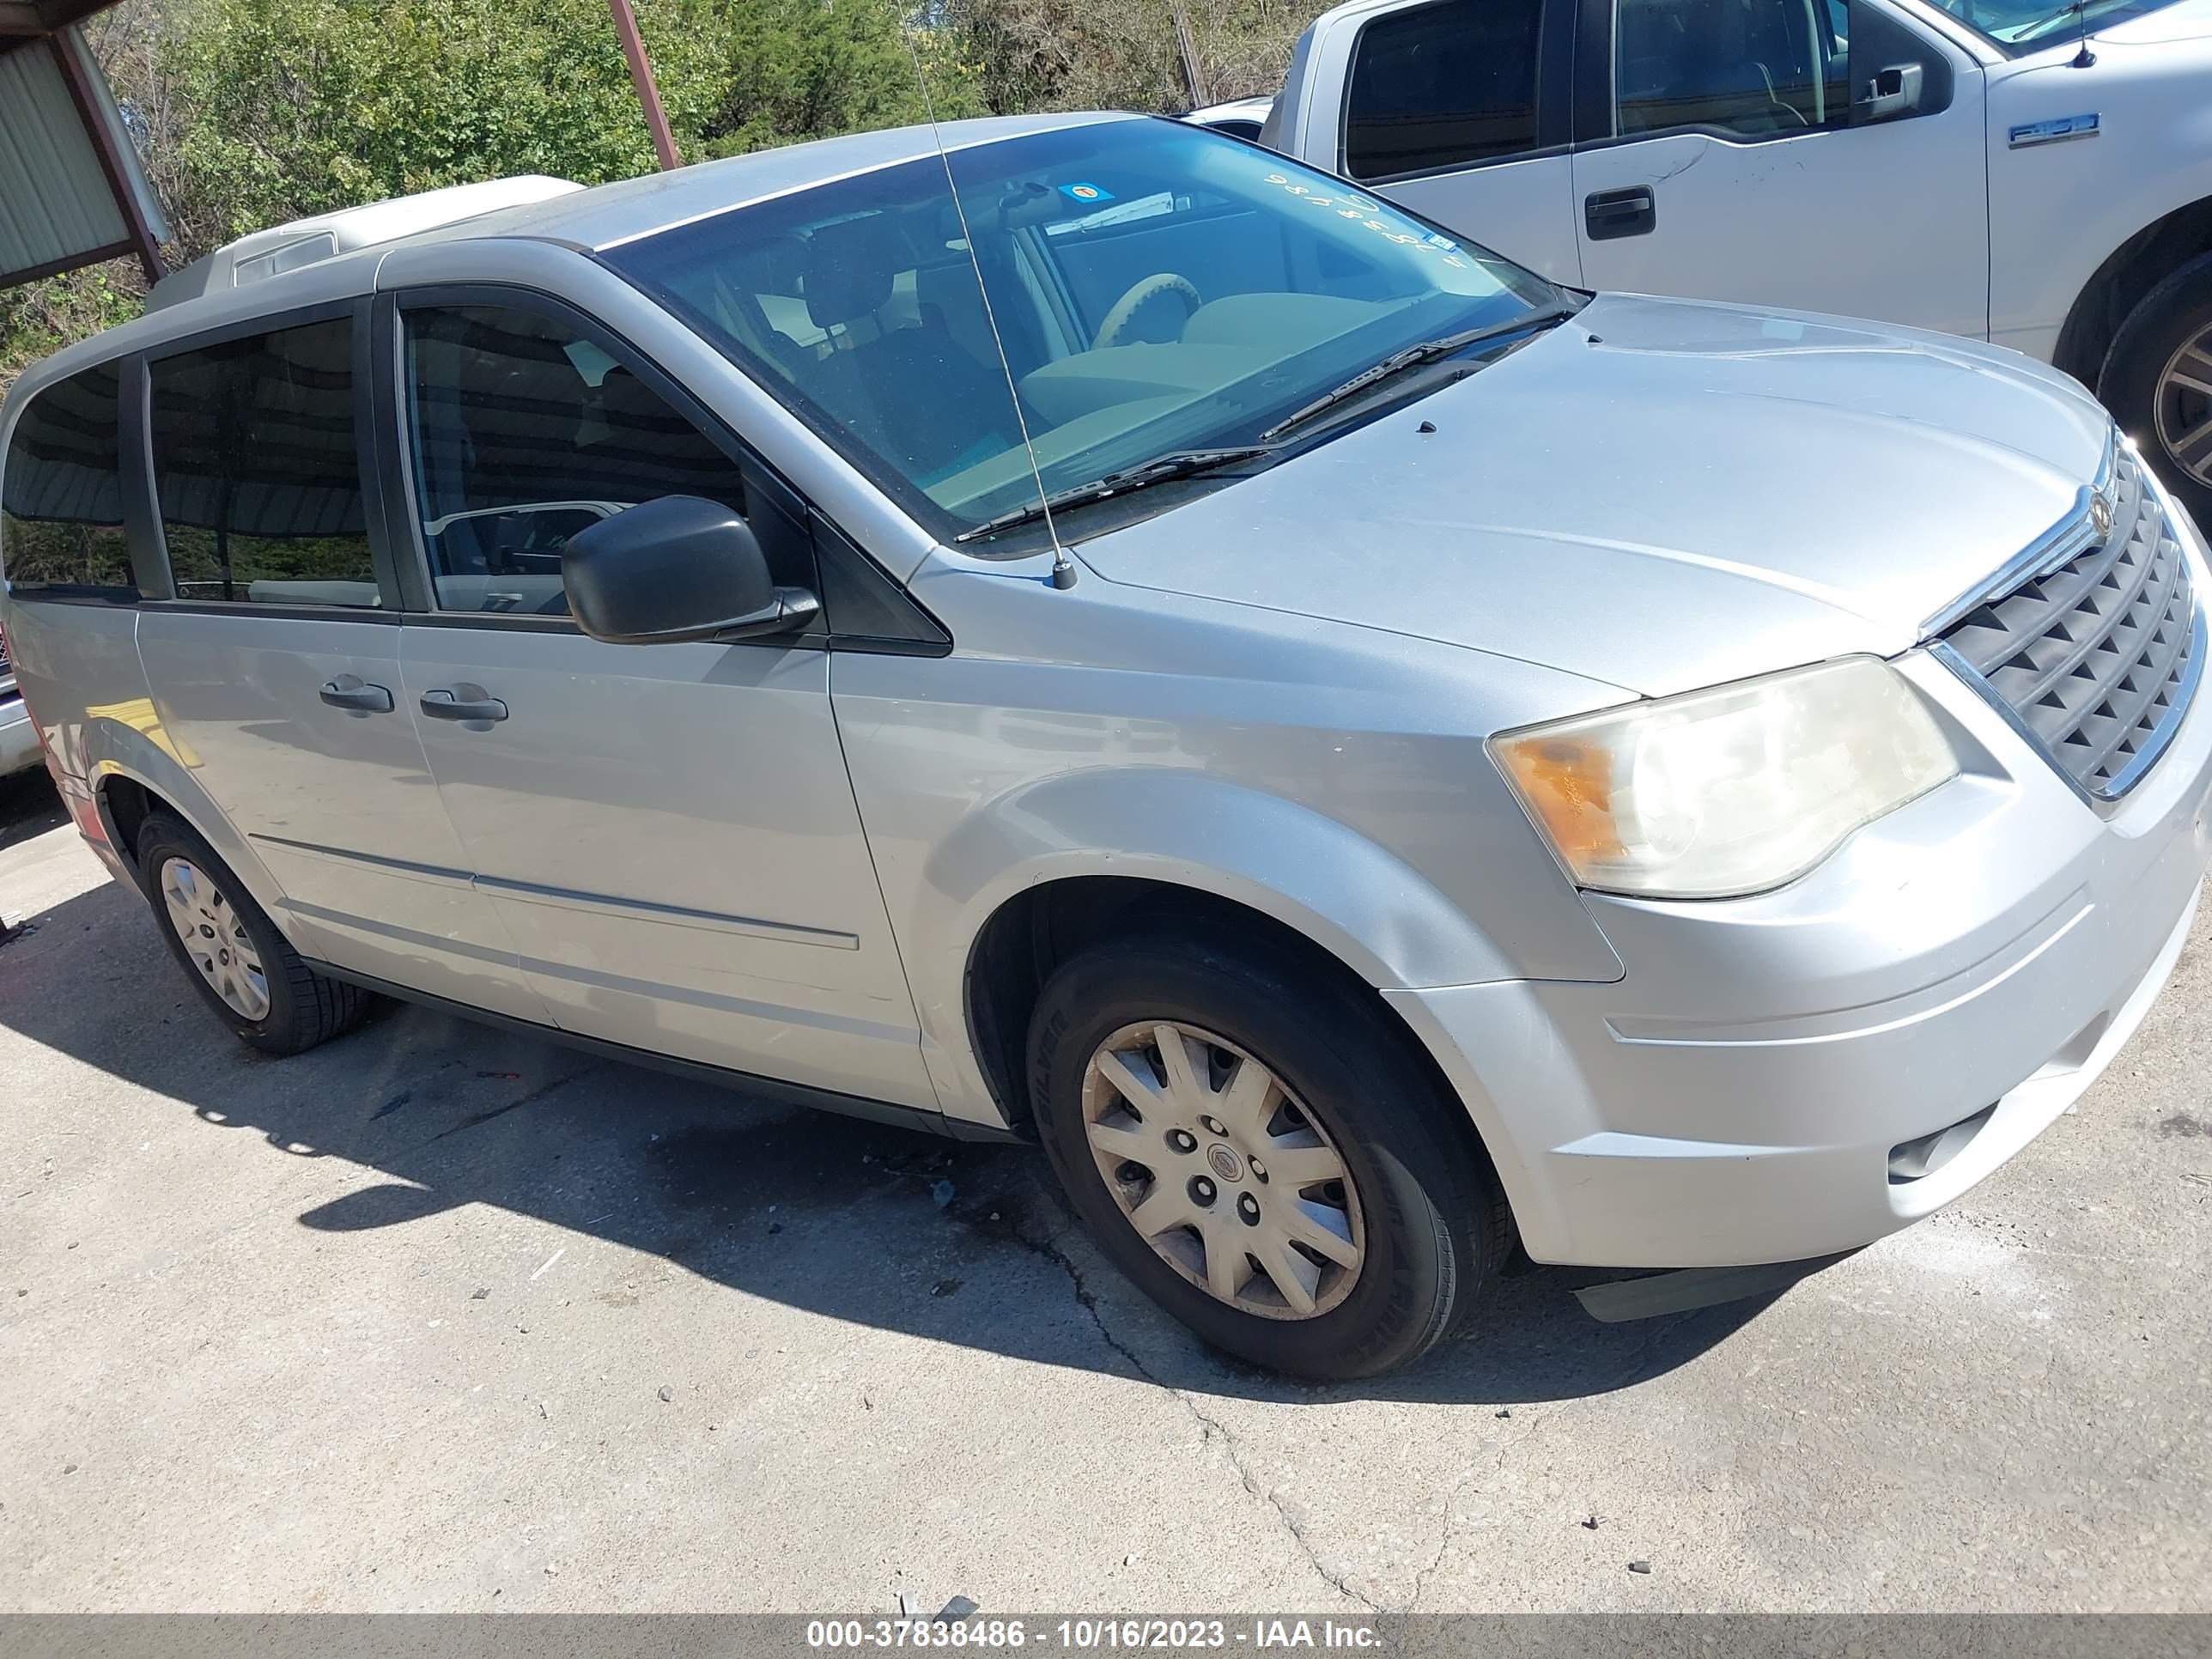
(257, 472)
(1442, 86)
(61, 498)
(1755, 68)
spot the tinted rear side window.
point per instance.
(257, 471)
(61, 495)
(1442, 87)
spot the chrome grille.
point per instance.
(2096, 656)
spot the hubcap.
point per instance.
(216, 938)
(2183, 401)
(1222, 1171)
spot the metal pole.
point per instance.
(640, 75)
(79, 82)
(1193, 75)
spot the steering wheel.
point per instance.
(1140, 294)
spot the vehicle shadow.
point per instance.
(28, 806)
(848, 1220)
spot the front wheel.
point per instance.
(247, 972)
(1263, 1156)
(2157, 382)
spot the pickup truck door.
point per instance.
(1814, 155)
(1460, 110)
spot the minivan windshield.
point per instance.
(1158, 290)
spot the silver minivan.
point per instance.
(1093, 632)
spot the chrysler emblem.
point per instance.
(2100, 515)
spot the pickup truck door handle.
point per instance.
(1607, 214)
(357, 694)
(450, 706)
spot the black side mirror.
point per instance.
(676, 569)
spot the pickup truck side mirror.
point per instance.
(674, 569)
(1892, 92)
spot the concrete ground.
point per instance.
(437, 1318)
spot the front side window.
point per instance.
(257, 472)
(1156, 288)
(1754, 67)
(524, 431)
(61, 494)
(1442, 86)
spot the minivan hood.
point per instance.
(1657, 494)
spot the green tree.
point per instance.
(250, 113)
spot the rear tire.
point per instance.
(242, 967)
(1394, 1220)
(2157, 382)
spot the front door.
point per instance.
(275, 669)
(1733, 153)
(667, 831)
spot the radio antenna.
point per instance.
(1063, 568)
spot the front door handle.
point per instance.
(1607, 214)
(351, 692)
(452, 706)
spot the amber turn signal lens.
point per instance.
(1569, 784)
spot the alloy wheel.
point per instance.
(2182, 406)
(215, 938)
(1222, 1171)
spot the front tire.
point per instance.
(242, 967)
(1263, 1157)
(2157, 382)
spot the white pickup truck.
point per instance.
(2022, 173)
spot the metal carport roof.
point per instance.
(71, 189)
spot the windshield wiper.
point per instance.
(2021, 33)
(1161, 469)
(1398, 362)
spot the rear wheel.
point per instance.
(244, 969)
(2157, 382)
(1263, 1157)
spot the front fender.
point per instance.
(2058, 211)
(1364, 905)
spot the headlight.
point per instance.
(1731, 791)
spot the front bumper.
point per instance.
(19, 738)
(1737, 1095)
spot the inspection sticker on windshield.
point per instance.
(1086, 193)
(2050, 132)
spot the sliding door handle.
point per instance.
(357, 696)
(1610, 213)
(451, 706)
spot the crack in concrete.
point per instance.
(1049, 1249)
(1654, 1335)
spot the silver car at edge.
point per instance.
(1087, 630)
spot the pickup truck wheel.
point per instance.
(2157, 382)
(254, 981)
(1263, 1157)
